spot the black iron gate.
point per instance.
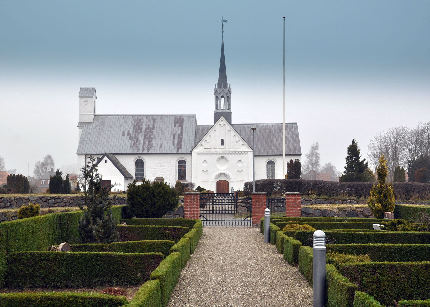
(276, 205)
(223, 209)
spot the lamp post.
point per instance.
(253, 163)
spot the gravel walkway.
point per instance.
(234, 267)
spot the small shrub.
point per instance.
(298, 227)
(381, 195)
(403, 225)
(338, 258)
(29, 210)
(362, 299)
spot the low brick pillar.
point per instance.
(192, 205)
(293, 204)
(259, 200)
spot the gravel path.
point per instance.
(234, 267)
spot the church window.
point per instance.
(182, 170)
(105, 160)
(222, 103)
(270, 169)
(140, 169)
(222, 142)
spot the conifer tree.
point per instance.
(381, 195)
(294, 169)
(399, 174)
(355, 169)
(56, 183)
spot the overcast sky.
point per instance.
(354, 68)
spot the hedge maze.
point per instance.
(365, 267)
(151, 253)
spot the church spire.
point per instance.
(222, 89)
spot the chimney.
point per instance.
(87, 104)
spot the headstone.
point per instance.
(64, 247)
(389, 215)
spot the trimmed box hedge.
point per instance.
(144, 246)
(414, 303)
(410, 212)
(331, 225)
(149, 294)
(280, 241)
(340, 291)
(168, 273)
(183, 247)
(306, 258)
(291, 250)
(151, 232)
(273, 229)
(60, 299)
(161, 221)
(77, 270)
(389, 281)
(385, 252)
(362, 299)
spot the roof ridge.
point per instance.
(194, 115)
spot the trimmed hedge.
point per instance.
(275, 220)
(194, 237)
(77, 270)
(151, 232)
(145, 246)
(60, 299)
(410, 212)
(280, 241)
(402, 190)
(340, 291)
(273, 229)
(291, 250)
(149, 294)
(183, 247)
(161, 221)
(306, 258)
(414, 303)
(389, 281)
(330, 225)
(362, 299)
(385, 252)
(168, 273)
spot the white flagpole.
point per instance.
(283, 105)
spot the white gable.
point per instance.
(108, 171)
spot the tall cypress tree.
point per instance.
(355, 168)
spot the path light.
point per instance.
(319, 269)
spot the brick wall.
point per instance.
(258, 206)
(293, 204)
(192, 205)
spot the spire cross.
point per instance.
(222, 27)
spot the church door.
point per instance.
(222, 186)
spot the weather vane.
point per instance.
(222, 27)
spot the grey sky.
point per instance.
(354, 68)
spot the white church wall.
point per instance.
(108, 171)
(261, 162)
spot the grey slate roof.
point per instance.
(117, 164)
(87, 92)
(267, 137)
(128, 134)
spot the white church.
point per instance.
(174, 147)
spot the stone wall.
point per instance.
(343, 211)
(47, 201)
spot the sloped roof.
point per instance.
(125, 134)
(268, 137)
(121, 168)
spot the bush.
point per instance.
(60, 299)
(29, 210)
(338, 258)
(381, 195)
(280, 236)
(151, 199)
(389, 281)
(291, 250)
(150, 232)
(183, 247)
(57, 185)
(296, 227)
(161, 221)
(145, 246)
(17, 184)
(340, 291)
(306, 258)
(77, 270)
(410, 212)
(168, 273)
(325, 225)
(149, 294)
(362, 299)
(273, 229)
(402, 225)
(414, 303)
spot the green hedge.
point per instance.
(77, 270)
(183, 247)
(291, 250)
(151, 232)
(280, 241)
(273, 229)
(276, 220)
(385, 252)
(388, 281)
(410, 212)
(362, 299)
(347, 237)
(161, 221)
(340, 291)
(149, 294)
(194, 237)
(414, 303)
(59, 299)
(145, 246)
(168, 273)
(331, 225)
(306, 258)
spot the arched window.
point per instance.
(140, 169)
(182, 170)
(270, 169)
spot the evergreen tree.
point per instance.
(381, 195)
(96, 224)
(399, 174)
(56, 183)
(420, 167)
(66, 185)
(294, 169)
(17, 184)
(355, 169)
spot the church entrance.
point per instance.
(222, 186)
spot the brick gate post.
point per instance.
(192, 205)
(293, 204)
(259, 200)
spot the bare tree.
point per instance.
(328, 173)
(2, 166)
(45, 168)
(418, 144)
(312, 163)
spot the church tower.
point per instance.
(222, 89)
